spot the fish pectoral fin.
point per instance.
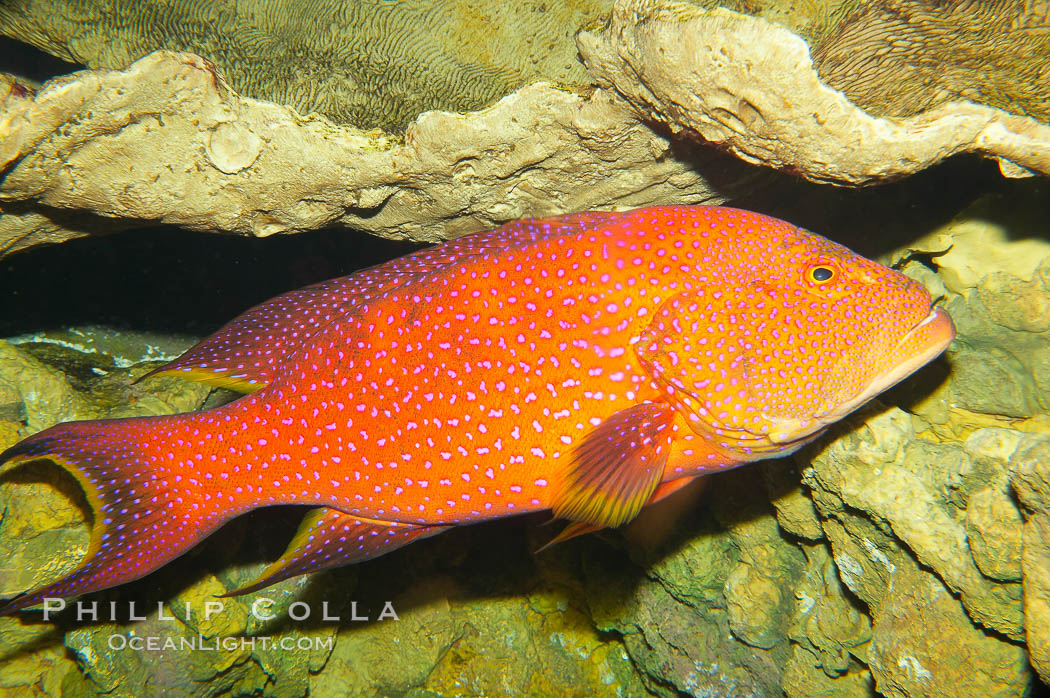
(617, 467)
(332, 538)
(672, 350)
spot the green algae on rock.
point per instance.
(993, 261)
(889, 518)
(868, 471)
(1031, 481)
(830, 634)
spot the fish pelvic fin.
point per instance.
(140, 520)
(571, 531)
(617, 467)
(331, 538)
(664, 490)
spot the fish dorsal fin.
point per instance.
(246, 353)
(617, 467)
(332, 538)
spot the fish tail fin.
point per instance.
(143, 512)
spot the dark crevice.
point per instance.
(166, 279)
(30, 63)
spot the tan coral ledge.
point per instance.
(749, 85)
(167, 141)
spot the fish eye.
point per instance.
(820, 274)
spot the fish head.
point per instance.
(794, 333)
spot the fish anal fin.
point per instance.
(242, 383)
(617, 467)
(331, 538)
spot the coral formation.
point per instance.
(750, 86)
(903, 57)
(209, 159)
(167, 141)
(367, 63)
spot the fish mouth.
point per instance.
(921, 344)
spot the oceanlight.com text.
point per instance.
(159, 643)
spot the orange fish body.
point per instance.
(588, 364)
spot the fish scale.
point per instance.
(588, 365)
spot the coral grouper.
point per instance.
(589, 365)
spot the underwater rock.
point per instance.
(366, 63)
(757, 590)
(10, 402)
(794, 509)
(543, 647)
(44, 395)
(189, 653)
(465, 627)
(750, 86)
(361, 662)
(830, 634)
(43, 670)
(167, 141)
(707, 610)
(922, 642)
(993, 260)
(1030, 466)
(677, 647)
(993, 530)
(894, 505)
(882, 474)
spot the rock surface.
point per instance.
(905, 553)
(1031, 482)
(167, 141)
(750, 86)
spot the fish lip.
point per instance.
(941, 336)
